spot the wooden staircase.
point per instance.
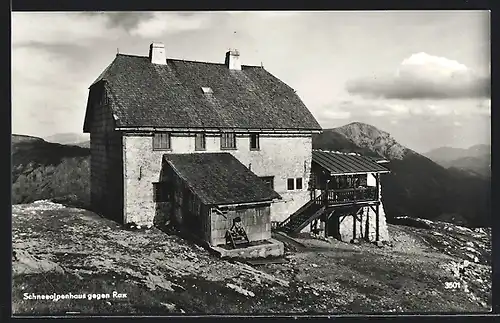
(303, 216)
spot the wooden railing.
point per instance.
(352, 195)
(314, 204)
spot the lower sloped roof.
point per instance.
(343, 163)
(220, 178)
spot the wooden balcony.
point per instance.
(352, 195)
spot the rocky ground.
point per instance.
(59, 250)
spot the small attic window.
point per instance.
(207, 90)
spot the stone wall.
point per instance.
(256, 220)
(106, 171)
(280, 156)
(273, 248)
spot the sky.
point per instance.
(422, 76)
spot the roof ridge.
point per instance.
(184, 60)
(353, 153)
(205, 62)
(131, 55)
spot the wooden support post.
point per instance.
(354, 218)
(367, 229)
(325, 217)
(377, 180)
(377, 224)
(326, 191)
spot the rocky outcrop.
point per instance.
(367, 136)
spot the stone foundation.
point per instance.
(348, 227)
(273, 248)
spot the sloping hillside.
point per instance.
(84, 144)
(448, 154)
(68, 138)
(416, 186)
(43, 170)
(61, 250)
(480, 166)
(15, 139)
(476, 159)
(333, 140)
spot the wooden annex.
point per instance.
(217, 199)
(345, 188)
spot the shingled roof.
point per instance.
(343, 163)
(220, 178)
(142, 94)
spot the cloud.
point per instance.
(397, 111)
(45, 95)
(333, 112)
(423, 76)
(60, 28)
(82, 28)
(126, 20)
(278, 14)
(160, 23)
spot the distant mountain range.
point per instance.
(68, 138)
(416, 186)
(475, 159)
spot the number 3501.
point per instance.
(451, 285)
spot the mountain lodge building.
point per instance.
(224, 151)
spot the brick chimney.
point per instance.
(233, 60)
(157, 54)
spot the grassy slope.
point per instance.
(62, 250)
(43, 170)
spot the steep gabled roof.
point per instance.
(142, 94)
(344, 163)
(220, 178)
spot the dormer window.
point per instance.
(207, 90)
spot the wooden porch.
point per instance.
(339, 183)
(336, 197)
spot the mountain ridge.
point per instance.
(416, 186)
(66, 138)
(476, 159)
(447, 153)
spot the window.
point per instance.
(254, 141)
(228, 141)
(160, 192)
(298, 183)
(269, 181)
(200, 141)
(161, 141)
(260, 212)
(290, 184)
